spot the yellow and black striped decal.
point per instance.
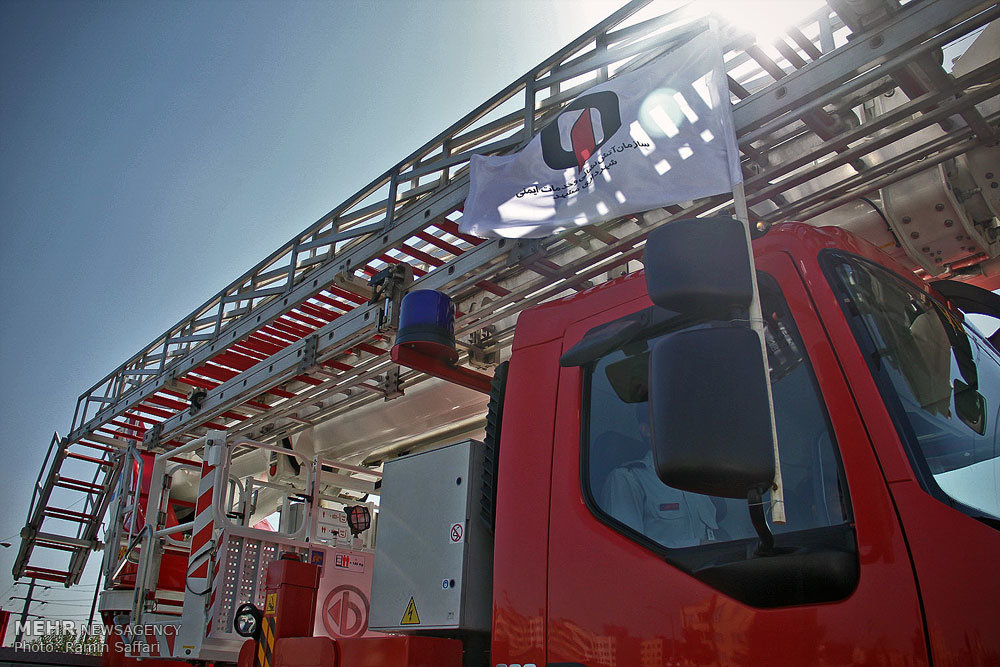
(265, 644)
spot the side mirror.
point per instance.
(699, 267)
(970, 406)
(711, 426)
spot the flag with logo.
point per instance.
(658, 135)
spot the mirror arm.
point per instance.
(756, 506)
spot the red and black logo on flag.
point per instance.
(582, 136)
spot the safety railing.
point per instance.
(227, 558)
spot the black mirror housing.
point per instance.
(699, 267)
(711, 424)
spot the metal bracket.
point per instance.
(352, 283)
(171, 383)
(215, 446)
(389, 286)
(308, 359)
(390, 384)
(484, 352)
(525, 252)
(618, 271)
(196, 397)
(151, 438)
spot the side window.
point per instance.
(625, 492)
(940, 380)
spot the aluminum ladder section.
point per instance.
(83, 471)
(302, 337)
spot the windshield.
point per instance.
(943, 376)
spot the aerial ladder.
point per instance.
(849, 118)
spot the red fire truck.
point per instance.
(885, 408)
(392, 443)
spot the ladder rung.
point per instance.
(94, 445)
(64, 539)
(169, 602)
(88, 459)
(68, 515)
(127, 426)
(119, 434)
(46, 574)
(53, 545)
(79, 485)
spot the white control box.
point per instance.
(434, 552)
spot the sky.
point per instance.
(151, 152)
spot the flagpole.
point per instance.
(757, 324)
(740, 204)
(756, 315)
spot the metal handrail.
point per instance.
(41, 471)
(133, 543)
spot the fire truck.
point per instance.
(394, 443)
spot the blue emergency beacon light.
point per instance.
(427, 324)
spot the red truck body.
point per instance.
(572, 587)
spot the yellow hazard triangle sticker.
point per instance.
(410, 616)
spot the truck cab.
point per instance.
(885, 404)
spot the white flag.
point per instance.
(655, 136)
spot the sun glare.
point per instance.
(766, 19)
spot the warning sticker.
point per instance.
(349, 562)
(272, 602)
(332, 525)
(410, 616)
(457, 533)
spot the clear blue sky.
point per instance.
(151, 152)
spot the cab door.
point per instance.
(621, 593)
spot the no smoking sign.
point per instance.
(457, 533)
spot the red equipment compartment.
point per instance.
(291, 589)
(289, 612)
